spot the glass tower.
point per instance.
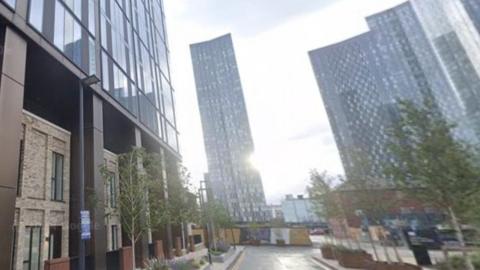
(362, 80)
(227, 136)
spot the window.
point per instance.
(55, 242)
(113, 190)
(31, 247)
(114, 237)
(11, 3)
(68, 34)
(20, 168)
(57, 177)
(75, 6)
(35, 16)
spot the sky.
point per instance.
(272, 38)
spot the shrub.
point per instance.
(458, 263)
(156, 264)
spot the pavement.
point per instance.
(278, 258)
(404, 252)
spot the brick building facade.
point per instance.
(42, 204)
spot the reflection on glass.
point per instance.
(35, 17)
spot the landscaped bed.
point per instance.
(156, 264)
(349, 258)
(458, 263)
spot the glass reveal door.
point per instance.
(32, 244)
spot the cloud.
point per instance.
(248, 17)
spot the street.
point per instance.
(278, 258)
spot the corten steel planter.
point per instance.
(353, 259)
(328, 253)
(57, 264)
(393, 266)
(255, 242)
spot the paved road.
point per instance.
(278, 258)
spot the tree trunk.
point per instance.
(132, 237)
(385, 251)
(346, 233)
(397, 255)
(370, 239)
(233, 238)
(447, 258)
(461, 239)
(182, 228)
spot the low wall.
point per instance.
(268, 236)
(57, 264)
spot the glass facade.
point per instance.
(456, 40)
(362, 79)
(226, 130)
(132, 42)
(134, 63)
(11, 3)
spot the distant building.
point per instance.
(299, 210)
(226, 130)
(275, 212)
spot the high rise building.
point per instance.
(362, 79)
(455, 39)
(226, 130)
(47, 47)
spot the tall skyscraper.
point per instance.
(362, 79)
(452, 27)
(226, 130)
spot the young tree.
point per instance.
(133, 198)
(326, 203)
(368, 198)
(434, 166)
(137, 211)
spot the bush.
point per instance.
(156, 264)
(458, 263)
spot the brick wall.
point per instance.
(111, 215)
(34, 206)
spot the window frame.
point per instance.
(54, 178)
(31, 230)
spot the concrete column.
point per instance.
(94, 183)
(12, 81)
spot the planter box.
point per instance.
(255, 242)
(57, 264)
(356, 260)
(223, 257)
(281, 243)
(393, 266)
(328, 253)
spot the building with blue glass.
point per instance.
(47, 47)
(226, 130)
(362, 79)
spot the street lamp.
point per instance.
(88, 81)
